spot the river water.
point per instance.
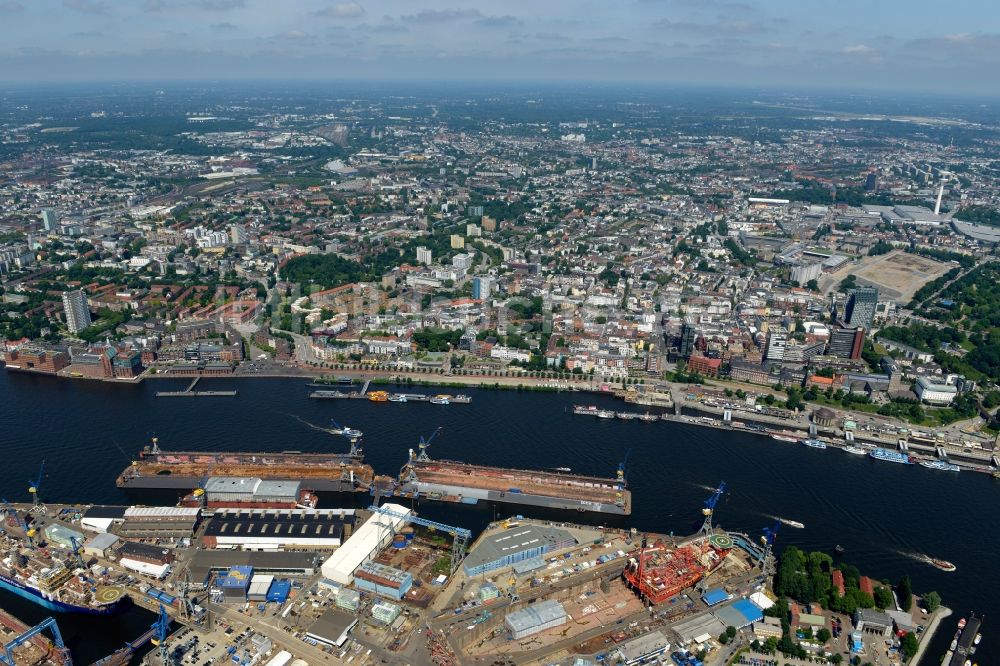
(884, 515)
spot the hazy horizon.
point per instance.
(855, 45)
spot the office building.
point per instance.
(76, 310)
(776, 343)
(49, 219)
(688, 336)
(482, 287)
(846, 342)
(860, 310)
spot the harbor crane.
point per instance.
(161, 628)
(35, 486)
(77, 547)
(460, 535)
(29, 533)
(7, 656)
(424, 444)
(710, 504)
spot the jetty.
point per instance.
(189, 392)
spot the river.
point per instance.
(882, 514)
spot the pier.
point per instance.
(189, 392)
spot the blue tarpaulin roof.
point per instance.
(714, 596)
(741, 613)
(279, 591)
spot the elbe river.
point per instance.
(883, 514)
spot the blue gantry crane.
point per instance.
(7, 656)
(460, 535)
(710, 504)
(35, 486)
(161, 629)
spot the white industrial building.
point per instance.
(535, 618)
(930, 391)
(146, 568)
(363, 545)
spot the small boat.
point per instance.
(792, 523)
(855, 450)
(940, 465)
(441, 400)
(345, 431)
(397, 397)
(648, 418)
(943, 565)
(978, 638)
(604, 414)
(961, 623)
(839, 549)
(785, 438)
(562, 469)
(461, 399)
(814, 443)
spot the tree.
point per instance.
(731, 631)
(823, 635)
(723, 638)
(932, 600)
(812, 285)
(909, 646)
(883, 598)
(905, 592)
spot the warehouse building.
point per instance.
(159, 522)
(235, 584)
(535, 618)
(383, 580)
(332, 627)
(260, 584)
(741, 613)
(274, 529)
(145, 559)
(364, 545)
(102, 518)
(228, 490)
(517, 544)
(61, 535)
(101, 545)
(206, 563)
(643, 649)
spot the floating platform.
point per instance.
(329, 472)
(450, 481)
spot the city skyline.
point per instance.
(889, 46)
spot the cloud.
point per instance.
(442, 15)
(86, 6)
(342, 10)
(220, 5)
(858, 49)
(223, 27)
(722, 25)
(11, 7)
(506, 21)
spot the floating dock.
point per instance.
(334, 472)
(385, 396)
(450, 481)
(189, 392)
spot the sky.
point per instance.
(917, 45)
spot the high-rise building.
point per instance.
(688, 337)
(424, 256)
(847, 342)
(475, 211)
(482, 287)
(49, 219)
(802, 274)
(489, 223)
(776, 343)
(860, 310)
(871, 182)
(76, 310)
(457, 242)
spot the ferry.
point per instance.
(397, 397)
(440, 400)
(940, 465)
(814, 443)
(461, 399)
(649, 418)
(561, 469)
(378, 396)
(785, 438)
(792, 523)
(855, 450)
(889, 455)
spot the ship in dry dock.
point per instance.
(184, 470)
(465, 483)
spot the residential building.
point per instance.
(76, 310)
(424, 256)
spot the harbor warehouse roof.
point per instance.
(332, 627)
(362, 545)
(715, 596)
(739, 614)
(699, 625)
(514, 545)
(539, 614)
